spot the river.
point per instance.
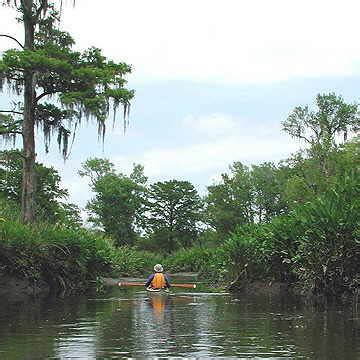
(133, 323)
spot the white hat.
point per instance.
(158, 268)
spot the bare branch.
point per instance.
(314, 129)
(12, 38)
(304, 138)
(42, 8)
(45, 94)
(41, 96)
(12, 111)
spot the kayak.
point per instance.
(186, 286)
(166, 291)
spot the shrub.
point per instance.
(328, 259)
(128, 261)
(317, 243)
(191, 259)
(66, 258)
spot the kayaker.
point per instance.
(158, 280)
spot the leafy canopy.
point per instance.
(319, 128)
(79, 84)
(117, 203)
(51, 197)
(173, 210)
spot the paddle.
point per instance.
(187, 286)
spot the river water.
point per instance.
(132, 323)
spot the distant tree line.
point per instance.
(168, 215)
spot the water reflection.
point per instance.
(158, 303)
(135, 323)
(160, 324)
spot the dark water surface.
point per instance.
(133, 323)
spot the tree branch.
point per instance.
(14, 78)
(12, 38)
(41, 96)
(10, 132)
(45, 94)
(304, 138)
(41, 8)
(12, 111)
(10, 129)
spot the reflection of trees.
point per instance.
(115, 331)
(59, 327)
(253, 325)
(34, 328)
(17, 320)
(138, 324)
(280, 326)
(330, 330)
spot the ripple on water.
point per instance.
(184, 324)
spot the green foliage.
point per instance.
(85, 84)
(191, 259)
(263, 250)
(209, 238)
(305, 179)
(257, 194)
(297, 190)
(49, 193)
(229, 203)
(75, 84)
(267, 183)
(319, 129)
(344, 159)
(95, 168)
(328, 254)
(65, 258)
(118, 199)
(172, 214)
(333, 116)
(128, 261)
(317, 243)
(114, 207)
(216, 269)
(245, 196)
(9, 209)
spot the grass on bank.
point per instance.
(317, 245)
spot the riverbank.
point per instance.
(48, 258)
(312, 250)
(13, 287)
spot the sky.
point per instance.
(213, 80)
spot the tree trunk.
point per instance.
(28, 179)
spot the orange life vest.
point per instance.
(158, 281)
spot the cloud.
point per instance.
(78, 187)
(212, 125)
(236, 41)
(255, 41)
(239, 141)
(210, 156)
(231, 41)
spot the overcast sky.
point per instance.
(213, 79)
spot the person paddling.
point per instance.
(158, 280)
